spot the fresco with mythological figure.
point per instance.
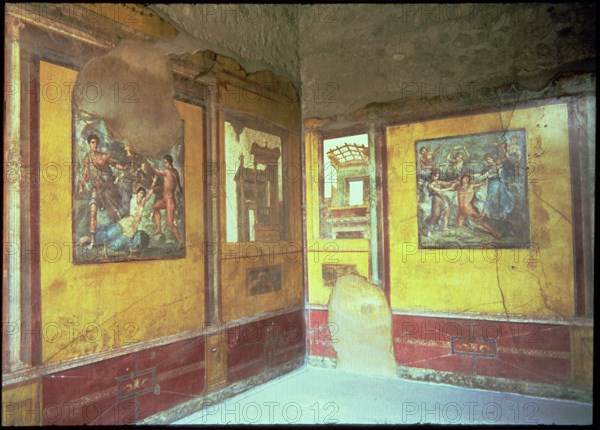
(126, 206)
(472, 191)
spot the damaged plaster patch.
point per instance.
(131, 89)
(364, 322)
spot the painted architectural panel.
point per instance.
(344, 195)
(254, 185)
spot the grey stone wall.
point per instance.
(258, 36)
(352, 55)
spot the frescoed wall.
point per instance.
(337, 227)
(134, 302)
(126, 306)
(472, 294)
(87, 298)
(529, 280)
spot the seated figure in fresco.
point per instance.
(125, 235)
(171, 183)
(105, 193)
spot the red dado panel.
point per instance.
(320, 334)
(126, 389)
(522, 351)
(256, 346)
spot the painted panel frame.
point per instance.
(537, 279)
(120, 209)
(472, 191)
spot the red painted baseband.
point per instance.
(257, 346)
(530, 352)
(126, 389)
(132, 387)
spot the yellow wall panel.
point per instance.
(21, 405)
(534, 281)
(321, 251)
(97, 307)
(238, 303)
(318, 292)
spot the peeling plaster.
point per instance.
(364, 321)
(132, 90)
(259, 37)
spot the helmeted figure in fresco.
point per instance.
(97, 169)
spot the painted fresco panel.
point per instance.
(528, 267)
(472, 191)
(344, 191)
(253, 185)
(126, 206)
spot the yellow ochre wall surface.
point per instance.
(537, 281)
(97, 307)
(20, 405)
(321, 250)
(236, 258)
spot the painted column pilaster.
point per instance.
(12, 163)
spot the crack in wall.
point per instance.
(499, 286)
(82, 337)
(551, 207)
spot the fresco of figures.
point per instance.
(472, 191)
(126, 206)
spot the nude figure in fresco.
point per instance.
(465, 191)
(125, 235)
(171, 183)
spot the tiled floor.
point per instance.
(311, 395)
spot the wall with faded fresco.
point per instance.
(497, 301)
(273, 222)
(138, 297)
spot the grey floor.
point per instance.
(311, 395)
